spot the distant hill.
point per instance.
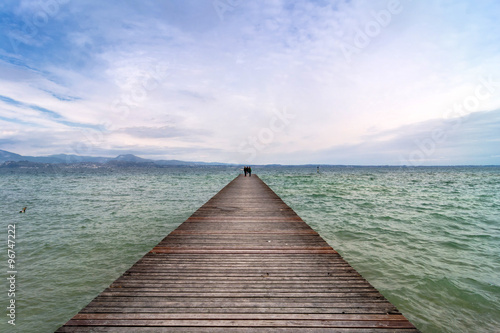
(120, 160)
(8, 156)
(131, 158)
(65, 158)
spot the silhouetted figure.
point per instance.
(23, 210)
(245, 170)
(250, 171)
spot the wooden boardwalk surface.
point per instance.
(243, 262)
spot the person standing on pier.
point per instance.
(245, 170)
(249, 171)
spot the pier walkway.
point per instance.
(243, 262)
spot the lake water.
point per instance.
(427, 238)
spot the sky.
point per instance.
(363, 82)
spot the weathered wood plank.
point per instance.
(228, 308)
(244, 323)
(237, 316)
(237, 304)
(237, 286)
(123, 329)
(242, 292)
(243, 262)
(242, 251)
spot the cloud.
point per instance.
(41, 112)
(472, 139)
(161, 132)
(161, 76)
(13, 102)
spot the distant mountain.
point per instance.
(8, 156)
(65, 158)
(185, 163)
(22, 164)
(120, 160)
(131, 158)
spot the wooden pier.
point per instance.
(243, 262)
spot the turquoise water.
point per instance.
(427, 238)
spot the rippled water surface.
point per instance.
(427, 238)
